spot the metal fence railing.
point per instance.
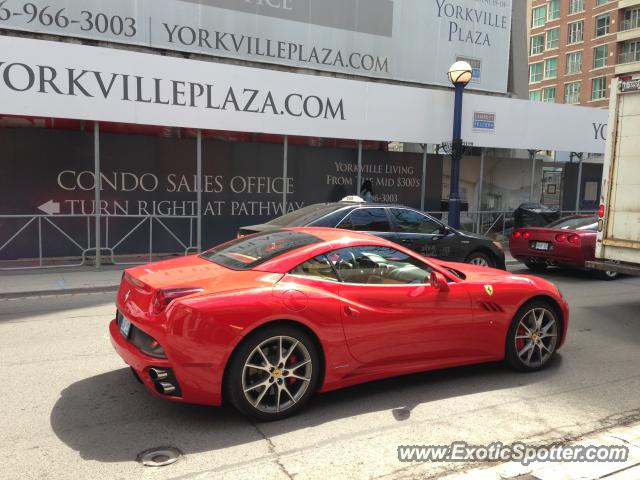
(63, 241)
(496, 225)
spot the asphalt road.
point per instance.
(71, 409)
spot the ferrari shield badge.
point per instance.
(488, 289)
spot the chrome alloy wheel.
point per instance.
(536, 337)
(276, 374)
(479, 261)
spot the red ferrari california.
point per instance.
(565, 243)
(265, 321)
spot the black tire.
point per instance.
(536, 267)
(487, 260)
(512, 358)
(608, 276)
(234, 387)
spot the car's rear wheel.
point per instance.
(607, 275)
(273, 373)
(533, 336)
(535, 266)
(480, 259)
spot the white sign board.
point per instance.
(53, 79)
(408, 40)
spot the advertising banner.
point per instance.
(52, 172)
(407, 40)
(60, 80)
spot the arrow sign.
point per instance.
(50, 208)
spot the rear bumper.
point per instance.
(567, 257)
(625, 268)
(196, 383)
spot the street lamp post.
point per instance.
(460, 75)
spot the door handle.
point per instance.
(351, 311)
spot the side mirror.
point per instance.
(439, 281)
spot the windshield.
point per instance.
(248, 252)
(303, 216)
(575, 223)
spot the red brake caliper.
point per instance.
(520, 341)
(293, 359)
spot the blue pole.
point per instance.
(456, 153)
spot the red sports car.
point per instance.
(568, 243)
(267, 320)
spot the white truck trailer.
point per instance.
(618, 242)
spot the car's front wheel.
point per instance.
(480, 259)
(273, 373)
(533, 336)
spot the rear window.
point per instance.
(303, 216)
(575, 223)
(249, 252)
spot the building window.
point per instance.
(538, 15)
(600, 56)
(631, 19)
(576, 6)
(598, 88)
(535, 95)
(601, 2)
(576, 32)
(553, 36)
(535, 72)
(537, 44)
(550, 68)
(549, 95)
(630, 52)
(553, 10)
(574, 63)
(603, 25)
(572, 93)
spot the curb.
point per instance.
(58, 292)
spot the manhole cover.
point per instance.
(159, 456)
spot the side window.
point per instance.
(318, 267)
(409, 221)
(367, 220)
(378, 265)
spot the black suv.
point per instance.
(406, 226)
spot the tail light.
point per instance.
(562, 237)
(164, 297)
(517, 234)
(526, 235)
(574, 239)
(601, 211)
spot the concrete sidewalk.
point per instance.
(62, 281)
(623, 436)
(38, 283)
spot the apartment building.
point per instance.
(628, 37)
(577, 46)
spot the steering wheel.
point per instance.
(343, 264)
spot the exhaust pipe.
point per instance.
(165, 387)
(157, 373)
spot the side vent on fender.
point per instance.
(491, 307)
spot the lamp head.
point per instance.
(460, 73)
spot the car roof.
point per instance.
(330, 239)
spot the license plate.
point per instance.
(125, 327)
(541, 246)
